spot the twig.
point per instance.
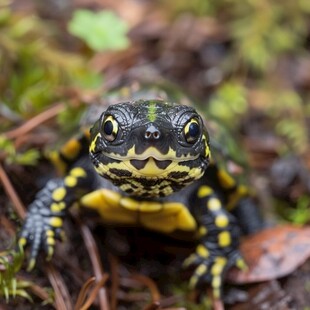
(93, 293)
(95, 260)
(83, 292)
(54, 278)
(35, 121)
(115, 280)
(150, 284)
(37, 290)
(62, 297)
(153, 306)
(9, 189)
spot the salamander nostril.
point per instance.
(152, 133)
(148, 134)
(156, 134)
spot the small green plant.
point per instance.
(181, 289)
(260, 30)
(228, 103)
(9, 285)
(11, 155)
(35, 68)
(264, 30)
(288, 112)
(101, 31)
(299, 214)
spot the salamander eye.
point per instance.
(110, 128)
(192, 131)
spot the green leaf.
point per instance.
(101, 31)
(228, 103)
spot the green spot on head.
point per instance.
(152, 112)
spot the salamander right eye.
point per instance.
(110, 128)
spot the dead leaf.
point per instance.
(272, 253)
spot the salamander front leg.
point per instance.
(217, 250)
(44, 220)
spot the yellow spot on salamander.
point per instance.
(59, 193)
(201, 269)
(225, 179)
(70, 181)
(50, 233)
(57, 207)
(224, 238)
(56, 222)
(50, 241)
(221, 221)
(241, 264)
(204, 191)
(71, 149)
(220, 260)
(202, 251)
(60, 165)
(216, 283)
(235, 197)
(214, 204)
(190, 260)
(78, 172)
(193, 281)
(86, 132)
(202, 231)
(218, 266)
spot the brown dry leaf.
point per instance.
(268, 295)
(272, 253)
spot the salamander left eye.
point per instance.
(192, 131)
(110, 128)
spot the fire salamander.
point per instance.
(147, 163)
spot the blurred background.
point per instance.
(243, 63)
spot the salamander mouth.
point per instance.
(151, 163)
(140, 164)
(155, 155)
